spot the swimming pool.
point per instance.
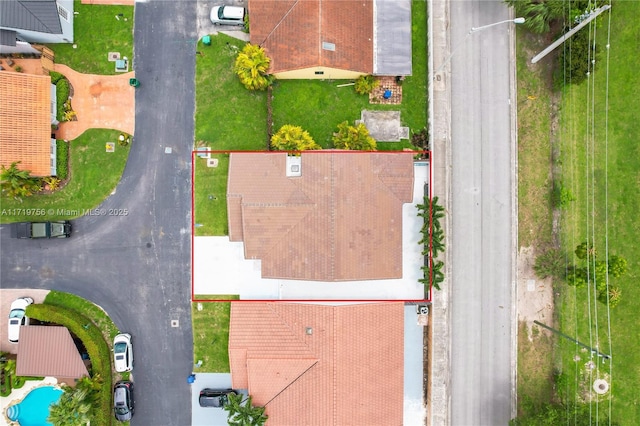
(33, 410)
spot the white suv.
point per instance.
(17, 318)
(227, 15)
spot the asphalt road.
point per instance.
(482, 297)
(137, 267)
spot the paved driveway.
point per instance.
(100, 101)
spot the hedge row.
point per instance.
(95, 344)
(62, 159)
(55, 76)
(62, 95)
(97, 315)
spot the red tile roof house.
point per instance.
(321, 216)
(333, 39)
(27, 110)
(320, 365)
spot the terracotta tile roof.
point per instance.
(293, 31)
(348, 371)
(48, 351)
(341, 220)
(25, 122)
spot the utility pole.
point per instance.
(593, 351)
(571, 32)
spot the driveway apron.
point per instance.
(100, 101)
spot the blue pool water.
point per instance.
(33, 410)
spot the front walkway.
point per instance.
(219, 267)
(100, 101)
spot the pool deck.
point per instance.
(17, 395)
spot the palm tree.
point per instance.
(17, 183)
(76, 405)
(293, 138)
(353, 137)
(243, 413)
(252, 66)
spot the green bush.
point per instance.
(365, 84)
(55, 76)
(62, 159)
(550, 263)
(62, 95)
(85, 307)
(95, 344)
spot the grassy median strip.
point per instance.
(93, 176)
(211, 333)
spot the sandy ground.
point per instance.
(535, 296)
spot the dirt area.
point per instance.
(535, 296)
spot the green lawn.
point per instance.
(94, 173)
(586, 168)
(96, 33)
(211, 196)
(228, 116)
(211, 333)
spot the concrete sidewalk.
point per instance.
(438, 388)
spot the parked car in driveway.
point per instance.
(17, 317)
(123, 352)
(26, 230)
(215, 397)
(228, 15)
(123, 403)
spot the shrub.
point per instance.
(51, 182)
(365, 84)
(551, 263)
(95, 344)
(353, 138)
(252, 66)
(62, 159)
(62, 96)
(617, 266)
(574, 61)
(18, 68)
(55, 76)
(293, 138)
(420, 139)
(561, 196)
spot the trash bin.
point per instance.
(206, 40)
(134, 82)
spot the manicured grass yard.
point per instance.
(94, 173)
(211, 333)
(228, 116)
(211, 196)
(580, 160)
(96, 33)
